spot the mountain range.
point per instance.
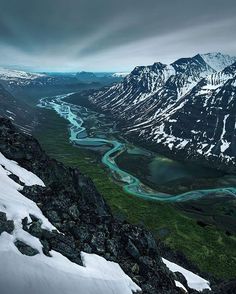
(102, 78)
(56, 226)
(20, 91)
(13, 79)
(185, 109)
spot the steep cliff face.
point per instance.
(70, 201)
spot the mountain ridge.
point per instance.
(149, 101)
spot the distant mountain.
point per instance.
(120, 74)
(20, 91)
(12, 75)
(15, 106)
(84, 75)
(14, 80)
(186, 109)
(102, 78)
(27, 88)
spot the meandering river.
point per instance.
(131, 184)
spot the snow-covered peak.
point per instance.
(149, 78)
(120, 74)
(10, 74)
(195, 66)
(218, 79)
(217, 60)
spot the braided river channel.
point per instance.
(79, 136)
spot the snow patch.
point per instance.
(120, 74)
(25, 176)
(179, 285)
(193, 280)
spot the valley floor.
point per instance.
(195, 232)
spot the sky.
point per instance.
(111, 35)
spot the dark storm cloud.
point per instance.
(108, 34)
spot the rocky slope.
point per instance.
(186, 108)
(16, 110)
(71, 203)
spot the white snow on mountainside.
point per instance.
(41, 274)
(181, 106)
(55, 274)
(10, 74)
(218, 61)
(120, 74)
(194, 281)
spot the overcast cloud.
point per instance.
(109, 35)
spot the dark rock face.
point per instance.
(5, 225)
(227, 288)
(72, 204)
(25, 249)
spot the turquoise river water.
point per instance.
(131, 184)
